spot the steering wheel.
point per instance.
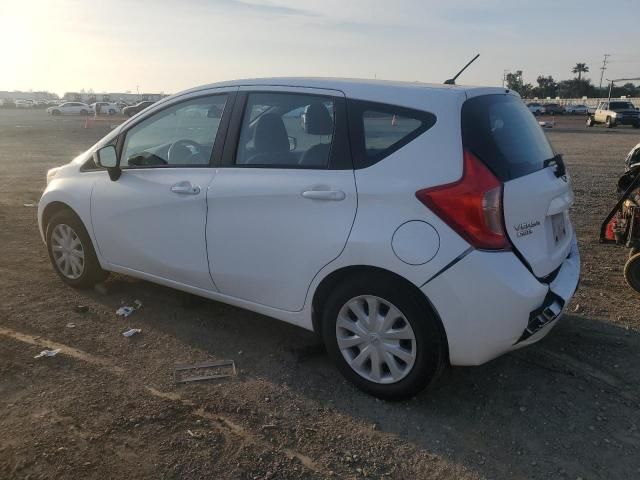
(180, 152)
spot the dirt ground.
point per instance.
(107, 406)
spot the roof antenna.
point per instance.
(452, 81)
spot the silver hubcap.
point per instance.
(67, 251)
(376, 339)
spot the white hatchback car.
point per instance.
(410, 225)
(70, 108)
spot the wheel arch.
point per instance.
(51, 209)
(326, 285)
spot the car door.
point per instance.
(150, 222)
(283, 201)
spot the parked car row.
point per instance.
(556, 109)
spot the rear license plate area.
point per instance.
(559, 227)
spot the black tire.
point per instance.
(632, 272)
(590, 121)
(608, 123)
(91, 273)
(55, 112)
(84, 113)
(636, 125)
(430, 356)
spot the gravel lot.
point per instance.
(107, 406)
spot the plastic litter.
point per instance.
(71, 325)
(131, 332)
(127, 310)
(48, 353)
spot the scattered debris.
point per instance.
(125, 311)
(131, 332)
(204, 371)
(81, 308)
(30, 204)
(71, 325)
(48, 353)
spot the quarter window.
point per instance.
(378, 130)
(286, 130)
(181, 135)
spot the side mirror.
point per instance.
(107, 157)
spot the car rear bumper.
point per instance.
(490, 303)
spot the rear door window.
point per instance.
(500, 131)
(286, 130)
(378, 130)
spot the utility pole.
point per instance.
(605, 60)
(504, 77)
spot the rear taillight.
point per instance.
(472, 206)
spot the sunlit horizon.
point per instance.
(168, 46)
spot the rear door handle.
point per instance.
(185, 188)
(336, 195)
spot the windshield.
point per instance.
(620, 106)
(501, 131)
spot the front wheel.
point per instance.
(632, 272)
(71, 251)
(636, 125)
(609, 122)
(589, 121)
(382, 337)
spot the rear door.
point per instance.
(282, 204)
(500, 131)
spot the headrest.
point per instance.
(316, 120)
(270, 135)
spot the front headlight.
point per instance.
(52, 173)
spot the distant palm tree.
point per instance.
(580, 68)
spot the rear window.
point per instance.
(501, 131)
(377, 129)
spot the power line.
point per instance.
(605, 60)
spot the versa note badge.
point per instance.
(526, 228)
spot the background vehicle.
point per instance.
(24, 103)
(553, 109)
(615, 112)
(576, 109)
(70, 108)
(137, 108)
(536, 108)
(460, 248)
(105, 108)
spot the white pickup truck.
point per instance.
(614, 113)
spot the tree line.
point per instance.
(576, 87)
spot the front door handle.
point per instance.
(185, 188)
(336, 195)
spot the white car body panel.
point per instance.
(140, 224)
(250, 239)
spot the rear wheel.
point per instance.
(608, 122)
(384, 339)
(71, 251)
(632, 272)
(55, 112)
(636, 125)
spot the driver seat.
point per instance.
(271, 142)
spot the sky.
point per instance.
(171, 45)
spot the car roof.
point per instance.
(349, 86)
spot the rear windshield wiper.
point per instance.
(558, 162)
